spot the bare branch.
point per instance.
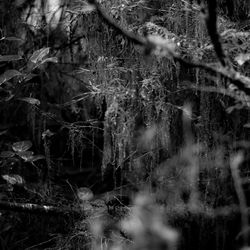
(211, 22)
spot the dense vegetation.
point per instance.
(124, 124)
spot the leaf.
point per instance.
(47, 133)
(21, 146)
(13, 179)
(29, 76)
(50, 59)
(230, 109)
(9, 74)
(10, 58)
(26, 155)
(237, 106)
(7, 154)
(30, 100)
(242, 58)
(247, 125)
(39, 55)
(36, 158)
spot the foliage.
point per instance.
(147, 95)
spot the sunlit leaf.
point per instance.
(29, 76)
(9, 74)
(247, 125)
(39, 55)
(230, 109)
(13, 179)
(50, 59)
(29, 156)
(21, 146)
(30, 100)
(47, 133)
(7, 154)
(237, 106)
(36, 158)
(242, 58)
(87, 8)
(26, 155)
(9, 58)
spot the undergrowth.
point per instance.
(102, 128)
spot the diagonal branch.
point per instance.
(211, 22)
(131, 36)
(240, 81)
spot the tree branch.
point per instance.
(131, 36)
(39, 209)
(211, 22)
(240, 81)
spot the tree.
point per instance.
(108, 85)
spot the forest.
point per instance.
(124, 124)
